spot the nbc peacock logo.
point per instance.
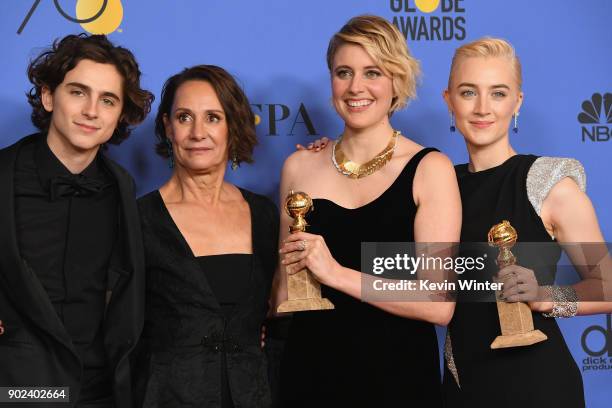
(94, 16)
(596, 118)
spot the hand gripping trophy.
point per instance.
(303, 290)
(514, 318)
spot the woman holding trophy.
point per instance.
(366, 352)
(543, 199)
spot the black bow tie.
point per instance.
(71, 185)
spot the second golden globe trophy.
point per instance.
(515, 318)
(303, 290)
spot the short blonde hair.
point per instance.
(488, 47)
(387, 47)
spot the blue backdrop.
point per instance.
(276, 48)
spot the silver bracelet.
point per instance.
(565, 301)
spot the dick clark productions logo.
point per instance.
(596, 118)
(597, 349)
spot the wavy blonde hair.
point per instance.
(387, 47)
(487, 47)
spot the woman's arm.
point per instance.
(568, 212)
(279, 284)
(438, 219)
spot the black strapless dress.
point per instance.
(201, 340)
(358, 355)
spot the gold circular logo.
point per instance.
(108, 21)
(427, 6)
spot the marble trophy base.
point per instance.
(516, 324)
(304, 293)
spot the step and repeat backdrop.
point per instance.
(276, 49)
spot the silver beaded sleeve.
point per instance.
(545, 172)
(450, 359)
(565, 301)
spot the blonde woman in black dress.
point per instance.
(544, 199)
(366, 352)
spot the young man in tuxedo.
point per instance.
(71, 265)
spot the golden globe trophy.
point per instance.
(303, 290)
(514, 318)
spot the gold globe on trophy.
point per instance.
(303, 290)
(515, 318)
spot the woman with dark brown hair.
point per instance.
(210, 248)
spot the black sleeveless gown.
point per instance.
(540, 375)
(200, 345)
(358, 355)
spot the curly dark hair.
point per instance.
(50, 67)
(242, 137)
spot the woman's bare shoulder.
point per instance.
(307, 161)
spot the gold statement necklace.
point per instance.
(354, 170)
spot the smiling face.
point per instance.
(197, 127)
(361, 92)
(86, 107)
(483, 94)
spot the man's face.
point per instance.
(86, 108)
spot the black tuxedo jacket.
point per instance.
(35, 349)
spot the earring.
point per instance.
(235, 163)
(515, 128)
(170, 153)
(452, 125)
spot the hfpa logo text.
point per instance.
(279, 119)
